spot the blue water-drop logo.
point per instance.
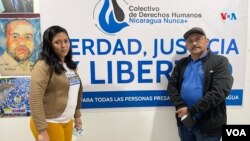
(115, 21)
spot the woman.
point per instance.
(55, 89)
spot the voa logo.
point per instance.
(236, 132)
(109, 16)
(228, 16)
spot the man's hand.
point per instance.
(182, 111)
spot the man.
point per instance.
(19, 41)
(199, 86)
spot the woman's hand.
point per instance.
(78, 123)
(43, 136)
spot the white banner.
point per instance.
(126, 49)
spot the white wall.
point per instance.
(128, 124)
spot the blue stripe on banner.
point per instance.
(144, 98)
(235, 98)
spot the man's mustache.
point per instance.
(16, 57)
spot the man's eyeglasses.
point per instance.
(196, 39)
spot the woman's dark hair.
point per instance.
(50, 56)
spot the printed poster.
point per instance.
(14, 96)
